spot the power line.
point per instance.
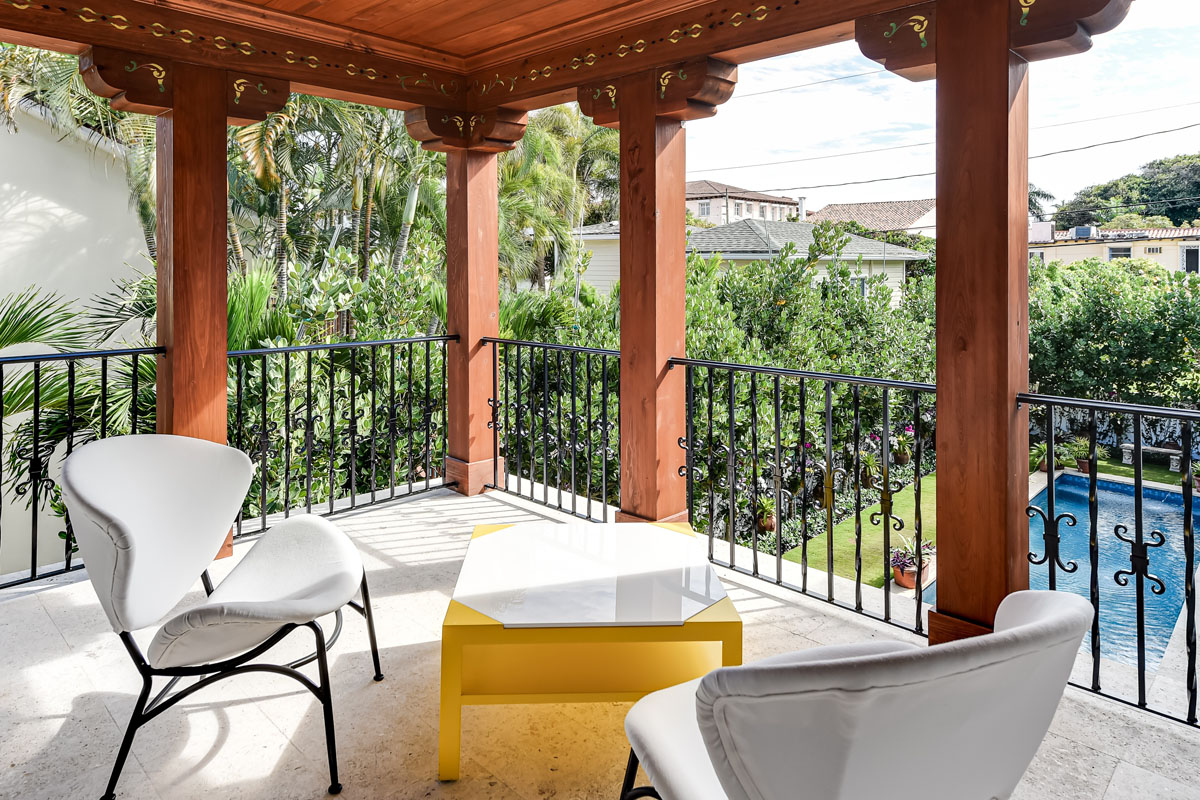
(915, 145)
(1168, 201)
(806, 85)
(1031, 158)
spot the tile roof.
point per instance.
(698, 190)
(599, 229)
(760, 238)
(891, 215)
(1132, 234)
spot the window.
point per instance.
(737, 209)
(762, 211)
(862, 287)
(775, 213)
(1191, 259)
(1037, 255)
(1119, 252)
(1154, 251)
(705, 208)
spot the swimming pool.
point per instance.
(1162, 511)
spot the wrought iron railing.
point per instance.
(53, 403)
(556, 434)
(1134, 554)
(806, 470)
(338, 426)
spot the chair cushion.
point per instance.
(662, 730)
(301, 569)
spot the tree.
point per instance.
(1038, 200)
(1156, 189)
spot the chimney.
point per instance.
(800, 213)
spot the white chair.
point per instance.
(958, 721)
(150, 514)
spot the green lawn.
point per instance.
(903, 506)
(1151, 472)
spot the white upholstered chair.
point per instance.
(150, 513)
(958, 721)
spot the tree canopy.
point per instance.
(1156, 189)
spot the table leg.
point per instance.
(450, 720)
(731, 648)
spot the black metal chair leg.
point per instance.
(327, 706)
(628, 792)
(135, 722)
(370, 618)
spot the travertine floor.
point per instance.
(67, 689)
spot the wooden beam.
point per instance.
(905, 40)
(716, 27)
(652, 304)
(149, 30)
(686, 91)
(982, 313)
(445, 130)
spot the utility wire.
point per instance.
(1031, 158)
(806, 85)
(915, 145)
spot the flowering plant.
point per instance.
(905, 557)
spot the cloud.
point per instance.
(1147, 63)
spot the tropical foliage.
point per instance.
(1156, 189)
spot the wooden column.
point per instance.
(652, 305)
(472, 312)
(471, 142)
(192, 386)
(982, 317)
(649, 109)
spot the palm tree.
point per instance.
(1038, 200)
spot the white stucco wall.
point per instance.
(65, 225)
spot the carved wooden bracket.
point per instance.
(905, 41)
(686, 90)
(491, 131)
(145, 85)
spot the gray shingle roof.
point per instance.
(890, 215)
(753, 238)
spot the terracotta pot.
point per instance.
(901, 458)
(766, 523)
(1196, 480)
(907, 579)
(1083, 465)
(1042, 465)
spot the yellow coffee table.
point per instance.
(579, 612)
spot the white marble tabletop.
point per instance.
(543, 574)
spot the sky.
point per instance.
(1147, 71)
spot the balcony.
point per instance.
(70, 688)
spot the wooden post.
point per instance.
(472, 312)
(652, 305)
(982, 317)
(471, 143)
(192, 385)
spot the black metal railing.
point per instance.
(556, 433)
(1124, 541)
(52, 403)
(809, 470)
(334, 427)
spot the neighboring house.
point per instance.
(720, 203)
(910, 216)
(745, 241)
(1174, 248)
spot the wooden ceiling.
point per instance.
(476, 55)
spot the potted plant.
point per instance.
(1196, 474)
(1037, 456)
(868, 468)
(766, 513)
(1080, 449)
(904, 564)
(902, 446)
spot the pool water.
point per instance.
(1162, 511)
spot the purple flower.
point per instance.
(908, 428)
(874, 437)
(808, 445)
